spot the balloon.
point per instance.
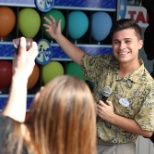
(7, 21)
(51, 70)
(78, 24)
(29, 22)
(57, 15)
(75, 70)
(5, 73)
(122, 9)
(101, 25)
(33, 77)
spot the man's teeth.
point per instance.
(123, 53)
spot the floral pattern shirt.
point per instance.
(132, 96)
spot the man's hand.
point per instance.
(53, 28)
(105, 111)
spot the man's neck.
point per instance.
(127, 68)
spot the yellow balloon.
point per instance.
(29, 22)
(51, 70)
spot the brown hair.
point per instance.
(125, 24)
(14, 142)
(62, 119)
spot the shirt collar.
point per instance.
(139, 72)
(135, 75)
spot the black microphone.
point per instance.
(106, 92)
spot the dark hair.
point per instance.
(125, 24)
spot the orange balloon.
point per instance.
(7, 20)
(33, 77)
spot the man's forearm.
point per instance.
(129, 125)
(70, 49)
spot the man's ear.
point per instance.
(25, 132)
(140, 44)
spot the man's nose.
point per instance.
(122, 45)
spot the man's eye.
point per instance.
(116, 42)
(128, 41)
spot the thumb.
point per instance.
(59, 24)
(109, 103)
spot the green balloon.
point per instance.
(57, 15)
(75, 70)
(51, 70)
(29, 22)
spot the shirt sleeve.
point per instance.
(92, 65)
(145, 117)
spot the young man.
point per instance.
(129, 110)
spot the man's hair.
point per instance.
(125, 24)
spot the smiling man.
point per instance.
(129, 109)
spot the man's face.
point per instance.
(126, 45)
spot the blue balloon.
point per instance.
(101, 25)
(122, 9)
(78, 24)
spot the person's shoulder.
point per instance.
(99, 56)
(99, 60)
(148, 75)
(108, 57)
(148, 79)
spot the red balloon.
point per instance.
(5, 73)
(7, 20)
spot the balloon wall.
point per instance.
(5, 73)
(34, 77)
(78, 24)
(74, 69)
(57, 14)
(7, 21)
(29, 22)
(101, 25)
(51, 70)
(86, 24)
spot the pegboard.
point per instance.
(86, 42)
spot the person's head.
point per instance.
(123, 24)
(62, 118)
(126, 41)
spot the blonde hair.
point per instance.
(62, 119)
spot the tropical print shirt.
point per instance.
(132, 96)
